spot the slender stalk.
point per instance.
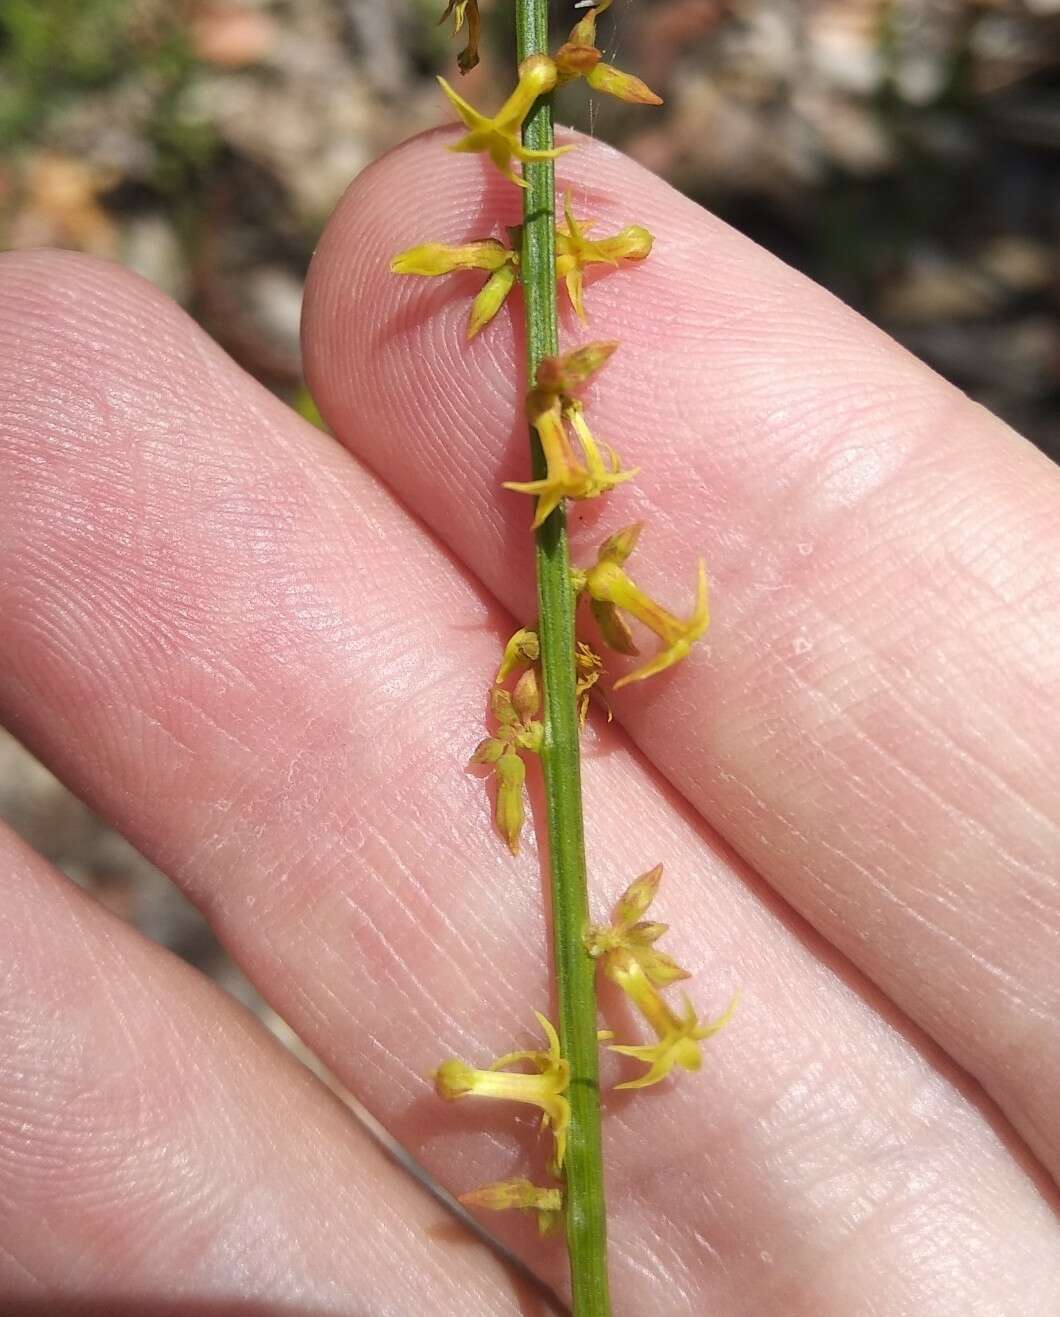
(560, 756)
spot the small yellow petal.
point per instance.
(630, 244)
(574, 285)
(684, 635)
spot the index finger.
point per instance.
(872, 720)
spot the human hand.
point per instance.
(268, 669)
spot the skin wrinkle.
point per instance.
(266, 1273)
(866, 740)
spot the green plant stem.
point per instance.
(560, 755)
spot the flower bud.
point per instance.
(526, 698)
(488, 751)
(566, 375)
(511, 774)
(623, 86)
(491, 298)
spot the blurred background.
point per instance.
(905, 153)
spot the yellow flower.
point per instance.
(453, 1079)
(521, 1194)
(610, 588)
(567, 476)
(434, 258)
(468, 58)
(501, 136)
(580, 58)
(431, 258)
(574, 251)
(628, 931)
(679, 1035)
(550, 409)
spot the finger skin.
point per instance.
(234, 643)
(156, 1144)
(874, 718)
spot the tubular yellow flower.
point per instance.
(500, 136)
(610, 588)
(630, 933)
(520, 1194)
(574, 251)
(453, 1079)
(431, 258)
(567, 476)
(679, 1035)
(550, 407)
(579, 57)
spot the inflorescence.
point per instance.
(578, 466)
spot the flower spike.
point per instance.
(610, 588)
(468, 57)
(679, 1035)
(453, 1080)
(500, 136)
(579, 57)
(520, 1194)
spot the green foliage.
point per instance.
(50, 51)
(56, 52)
